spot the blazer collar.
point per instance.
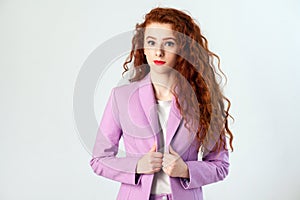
(148, 102)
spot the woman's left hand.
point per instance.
(174, 166)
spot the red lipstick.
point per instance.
(159, 62)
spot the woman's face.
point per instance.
(160, 47)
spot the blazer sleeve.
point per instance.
(104, 160)
(214, 167)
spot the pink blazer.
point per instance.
(131, 113)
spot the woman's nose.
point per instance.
(159, 52)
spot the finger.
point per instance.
(166, 170)
(156, 160)
(157, 169)
(167, 162)
(172, 151)
(157, 155)
(169, 158)
(153, 148)
(156, 165)
(164, 164)
(152, 171)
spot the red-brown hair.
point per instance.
(195, 63)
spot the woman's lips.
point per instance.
(159, 62)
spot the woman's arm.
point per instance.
(104, 161)
(214, 167)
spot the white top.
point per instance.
(161, 181)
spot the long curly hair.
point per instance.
(196, 66)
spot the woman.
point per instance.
(172, 109)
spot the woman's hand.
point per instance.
(174, 166)
(150, 162)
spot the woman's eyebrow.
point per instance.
(151, 37)
(167, 38)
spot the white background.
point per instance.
(43, 45)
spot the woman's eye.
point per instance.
(169, 44)
(150, 42)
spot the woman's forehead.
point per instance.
(159, 29)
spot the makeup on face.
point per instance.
(160, 45)
(159, 62)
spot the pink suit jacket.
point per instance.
(131, 113)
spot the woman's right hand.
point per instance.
(150, 162)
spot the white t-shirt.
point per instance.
(161, 181)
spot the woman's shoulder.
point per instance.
(127, 86)
(126, 91)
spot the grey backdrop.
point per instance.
(43, 45)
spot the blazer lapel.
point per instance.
(173, 122)
(148, 102)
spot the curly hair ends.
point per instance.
(196, 69)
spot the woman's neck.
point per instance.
(163, 85)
